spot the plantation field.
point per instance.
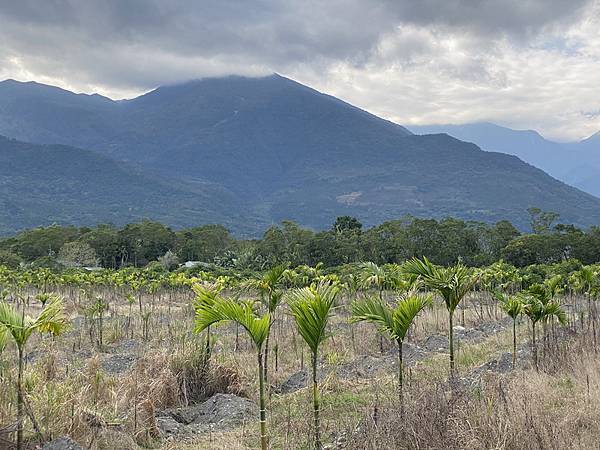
(493, 357)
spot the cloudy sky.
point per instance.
(521, 63)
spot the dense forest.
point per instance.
(444, 242)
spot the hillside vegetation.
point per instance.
(280, 149)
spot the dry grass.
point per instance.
(71, 393)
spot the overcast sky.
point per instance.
(521, 63)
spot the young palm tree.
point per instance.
(206, 296)
(452, 283)
(311, 308)
(20, 327)
(394, 322)
(210, 311)
(537, 311)
(270, 290)
(513, 306)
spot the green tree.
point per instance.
(394, 322)
(77, 254)
(20, 327)
(513, 306)
(536, 309)
(210, 311)
(541, 221)
(346, 223)
(270, 288)
(452, 283)
(311, 308)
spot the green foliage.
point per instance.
(20, 326)
(212, 310)
(311, 308)
(452, 283)
(512, 305)
(391, 321)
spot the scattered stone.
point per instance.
(126, 346)
(366, 366)
(295, 382)
(435, 343)
(169, 427)
(218, 413)
(62, 443)
(116, 364)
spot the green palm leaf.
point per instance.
(311, 308)
(394, 322)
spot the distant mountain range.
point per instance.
(576, 163)
(248, 152)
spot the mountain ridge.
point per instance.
(268, 149)
(575, 163)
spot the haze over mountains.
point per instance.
(577, 163)
(248, 152)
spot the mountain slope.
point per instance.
(44, 184)
(577, 163)
(285, 151)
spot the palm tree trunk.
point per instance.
(400, 378)
(266, 355)
(451, 344)
(20, 400)
(514, 355)
(535, 356)
(316, 405)
(264, 440)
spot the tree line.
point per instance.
(444, 242)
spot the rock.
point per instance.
(116, 364)
(126, 346)
(295, 382)
(62, 443)
(366, 366)
(168, 427)
(458, 329)
(435, 343)
(220, 412)
(226, 409)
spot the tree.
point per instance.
(210, 311)
(77, 254)
(20, 327)
(541, 221)
(346, 223)
(269, 287)
(9, 259)
(513, 306)
(539, 307)
(394, 322)
(311, 308)
(169, 260)
(452, 283)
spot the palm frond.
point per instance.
(452, 283)
(311, 308)
(221, 310)
(52, 319)
(375, 311)
(405, 313)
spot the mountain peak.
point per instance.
(284, 151)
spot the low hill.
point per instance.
(45, 184)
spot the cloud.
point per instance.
(523, 63)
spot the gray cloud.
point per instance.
(353, 48)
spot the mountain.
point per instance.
(267, 149)
(576, 163)
(45, 184)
